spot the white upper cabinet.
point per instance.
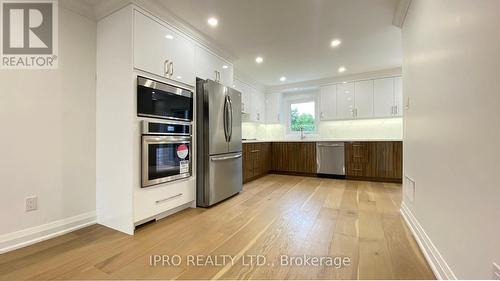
(257, 106)
(328, 103)
(345, 101)
(398, 96)
(211, 66)
(274, 108)
(384, 97)
(363, 99)
(161, 50)
(245, 95)
(388, 97)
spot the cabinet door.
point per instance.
(152, 48)
(257, 155)
(398, 95)
(383, 91)
(257, 106)
(328, 103)
(247, 161)
(182, 67)
(245, 97)
(226, 73)
(204, 64)
(273, 108)
(361, 159)
(363, 99)
(158, 48)
(345, 101)
(389, 160)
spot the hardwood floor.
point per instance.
(274, 215)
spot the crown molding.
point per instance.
(335, 80)
(400, 13)
(105, 8)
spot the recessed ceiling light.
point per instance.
(213, 22)
(179, 77)
(283, 78)
(342, 69)
(335, 43)
(259, 59)
(225, 66)
(168, 36)
(345, 82)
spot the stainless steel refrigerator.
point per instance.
(219, 149)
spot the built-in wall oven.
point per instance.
(159, 100)
(166, 151)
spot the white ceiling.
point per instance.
(293, 36)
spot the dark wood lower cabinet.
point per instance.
(256, 160)
(294, 157)
(377, 161)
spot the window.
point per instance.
(302, 116)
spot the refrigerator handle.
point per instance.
(225, 120)
(230, 115)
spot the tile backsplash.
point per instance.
(386, 128)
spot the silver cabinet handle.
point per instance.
(171, 69)
(166, 68)
(226, 158)
(256, 150)
(396, 110)
(168, 198)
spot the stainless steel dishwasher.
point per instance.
(330, 159)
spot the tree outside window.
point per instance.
(302, 116)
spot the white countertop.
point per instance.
(317, 140)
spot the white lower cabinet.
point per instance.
(161, 50)
(154, 200)
(328, 103)
(345, 101)
(363, 99)
(274, 110)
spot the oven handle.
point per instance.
(226, 158)
(166, 139)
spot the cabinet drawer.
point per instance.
(152, 201)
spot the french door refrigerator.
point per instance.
(219, 149)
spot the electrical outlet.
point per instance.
(31, 203)
(496, 272)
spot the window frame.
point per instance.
(301, 99)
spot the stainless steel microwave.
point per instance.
(159, 100)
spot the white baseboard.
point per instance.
(431, 253)
(22, 238)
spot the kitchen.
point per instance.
(242, 139)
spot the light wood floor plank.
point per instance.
(273, 216)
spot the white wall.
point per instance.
(452, 130)
(47, 146)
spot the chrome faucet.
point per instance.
(302, 134)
